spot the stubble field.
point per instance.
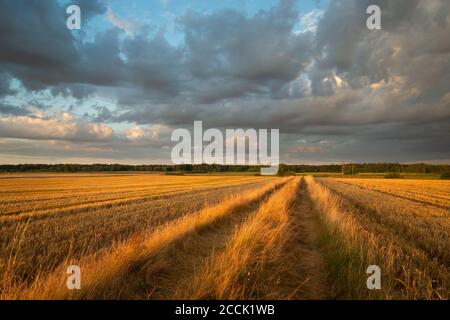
(222, 237)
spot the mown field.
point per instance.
(138, 236)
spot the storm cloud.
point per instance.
(336, 90)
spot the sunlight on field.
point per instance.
(50, 194)
(435, 192)
(46, 219)
(222, 237)
(402, 225)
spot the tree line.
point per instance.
(349, 168)
(356, 168)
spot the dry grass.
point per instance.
(25, 197)
(421, 224)
(356, 236)
(222, 237)
(104, 273)
(94, 218)
(434, 192)
(239, 272)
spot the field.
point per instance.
(403, 226)
(141, 236)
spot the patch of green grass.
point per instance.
(346, 265)
(393, 176)
(174, 173)
(445, 175)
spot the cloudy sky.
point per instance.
(114, 90)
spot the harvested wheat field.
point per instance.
(222, 237)
(403, 226)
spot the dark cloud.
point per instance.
(373, 94)
(6, 109)
(238, 56)
(37, 48)
(5, 85)
(153, 64)
(33, 35)
(413, 44)
(78, 91)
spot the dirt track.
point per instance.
(168, 274)
(307, 258)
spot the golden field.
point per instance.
(139, 236)
(373, 222)
(434, 192)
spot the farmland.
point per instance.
(403, 226)
(140, 236)
(70, 216)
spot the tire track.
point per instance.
(305, 263)
(284, 262)
(161, 275)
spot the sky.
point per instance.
(114, 91)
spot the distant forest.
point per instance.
(204, 168)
